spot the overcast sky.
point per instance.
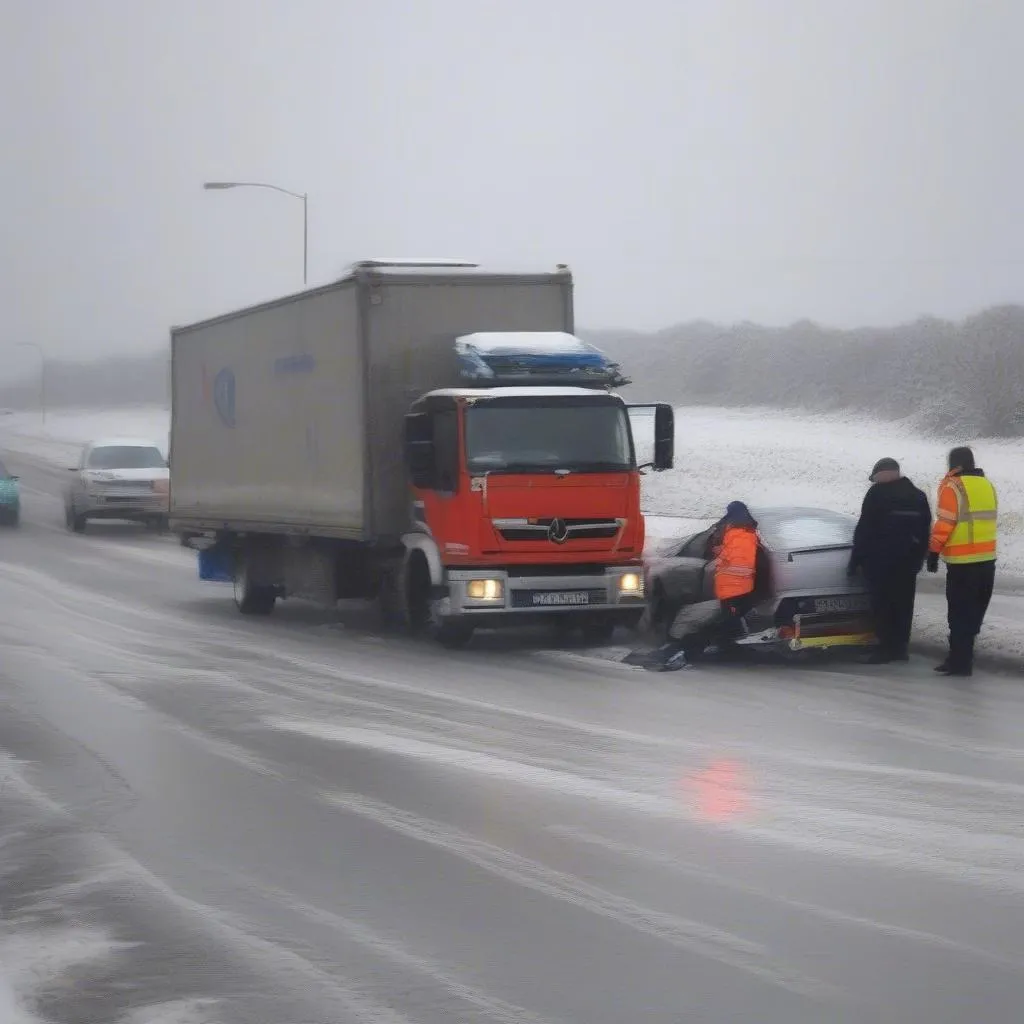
(851, 161)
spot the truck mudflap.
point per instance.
(486, 594)
(216, 564)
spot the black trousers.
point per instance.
(892, 593)
(968, 593)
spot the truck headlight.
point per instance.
(485, 590)
(631, 583)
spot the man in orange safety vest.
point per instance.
(964, 536)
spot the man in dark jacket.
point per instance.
(889, 547)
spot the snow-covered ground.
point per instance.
(760, 456)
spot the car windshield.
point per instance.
(126, 457)
(532, 436)
(809, 528)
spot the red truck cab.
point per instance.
(529, 500)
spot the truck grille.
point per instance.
(566, 529)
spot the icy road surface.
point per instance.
(212, 820)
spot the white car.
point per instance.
(119, 478)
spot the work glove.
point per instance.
(933, 562)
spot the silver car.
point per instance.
(119, 478)
(807, 599)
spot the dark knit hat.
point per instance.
(883, 466)
(961, 458)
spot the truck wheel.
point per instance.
(420, 614)
(250, 598)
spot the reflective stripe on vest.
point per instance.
(974, 537)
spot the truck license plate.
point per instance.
(561, 597)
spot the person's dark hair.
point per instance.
(961, 458)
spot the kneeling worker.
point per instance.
(735, 569)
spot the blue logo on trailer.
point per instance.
(294, 364)
(224, 396)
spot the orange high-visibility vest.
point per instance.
(735, 564)
(965, 523)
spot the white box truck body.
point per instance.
(290, 444)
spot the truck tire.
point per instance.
(250, 598)
(420, 615)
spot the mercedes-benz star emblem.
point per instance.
(558, 531)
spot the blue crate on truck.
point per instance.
(215, 565)
(493, 359)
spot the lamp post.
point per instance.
(42, 374)
(221, 185)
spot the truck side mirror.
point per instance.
(664, 436)
(419, 449)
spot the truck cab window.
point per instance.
(446, 450)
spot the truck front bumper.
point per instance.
(494, 594)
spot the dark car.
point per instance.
(807, 599)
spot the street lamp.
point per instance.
(220, 185)
(42, 374)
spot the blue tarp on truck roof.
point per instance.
(496, 358)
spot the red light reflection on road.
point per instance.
(720, 792)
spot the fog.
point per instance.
(849, 162)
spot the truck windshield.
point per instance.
(507, 437)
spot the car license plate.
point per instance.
(546, 598)
(841, 604)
